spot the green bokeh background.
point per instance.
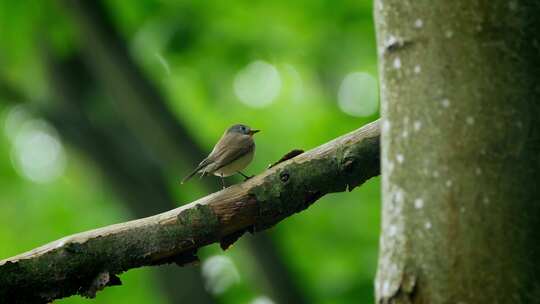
(192, 50)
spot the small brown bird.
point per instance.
(233, 152)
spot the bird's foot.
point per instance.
(223, 182)
(245, 176)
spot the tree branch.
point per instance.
(87, 262)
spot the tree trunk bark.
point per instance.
(460, 151)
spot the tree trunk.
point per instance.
(460, 151)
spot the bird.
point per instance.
(233, 152)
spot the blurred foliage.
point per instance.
(193, 50)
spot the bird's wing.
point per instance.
(229, 148)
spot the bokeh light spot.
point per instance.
(258, 84)
(37, 152)
(358, 94)
(220, 274)
(262, 300)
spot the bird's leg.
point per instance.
(222, 181)
(245, 176)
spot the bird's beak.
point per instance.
(251, 132)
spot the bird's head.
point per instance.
(242, 129)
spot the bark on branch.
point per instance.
(86, 262)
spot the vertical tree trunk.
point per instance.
(460, 151)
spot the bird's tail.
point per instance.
(185, 179)
(201, 166)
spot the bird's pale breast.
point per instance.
(235, 166)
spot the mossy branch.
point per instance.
(87, 262)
